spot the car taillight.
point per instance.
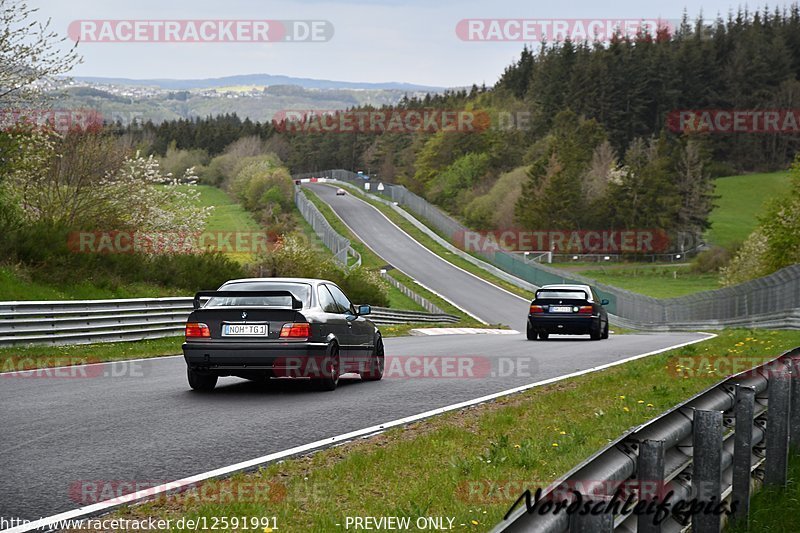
(585, 310)
(197, 329)
(295, 330)
(537, 309)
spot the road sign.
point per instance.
(380, 186)
(366, 186)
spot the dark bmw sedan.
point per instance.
(567, 310)
(263, 328)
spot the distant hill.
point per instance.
(138, 102)
(255, 79)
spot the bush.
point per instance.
(711, 260)
(45, 253)
(293, 258)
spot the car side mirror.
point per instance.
(603, 302)
(364, 310)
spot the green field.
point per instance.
(741, 201)
(227, 214)
(659, 281)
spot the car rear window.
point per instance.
(561, 295)
(301, 291)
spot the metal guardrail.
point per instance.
(424, 302)
(88, 321)
(718, 446)
(385, 316)
(337, 244)
(754, 303)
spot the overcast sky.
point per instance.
(412, 41)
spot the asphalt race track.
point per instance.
(140, 422)
(144, 424)
(472, 294)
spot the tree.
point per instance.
(29, 52)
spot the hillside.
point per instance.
(740, 201)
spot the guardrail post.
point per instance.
(650, 473)
(592, 523)
(707, 468)
(777, 446)
(742, 452)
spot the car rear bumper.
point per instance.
(216, 356)
(577, 325)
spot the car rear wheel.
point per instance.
(376, 363)
(531, 333)
(544, 336)
(597, 332)
(605, 332)
(200, 381)
(329, 370)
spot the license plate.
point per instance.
(560, 309)
(244, 330)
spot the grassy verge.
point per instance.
(227, 215)
(774, 510)
(26, 357)
(740, 201)
(371, 260)
(397, 300)
(655, 281)
(424, 239)
(15, 284)
(428, 468)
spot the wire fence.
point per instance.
(337, 244)
(776, 293)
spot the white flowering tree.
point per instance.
(156, 204)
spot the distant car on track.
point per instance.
(261, 328)
(340, 192)
(567, 310)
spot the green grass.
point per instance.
(227, 214)
(425, 469)
(424, 239)
(370, 259)
(655, 281)
(397, 300)
(24, 357)
(741, 201)
(774, 510)
(15, 285)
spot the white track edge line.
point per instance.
(361, 240)
(437, 255)
(219, 472)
